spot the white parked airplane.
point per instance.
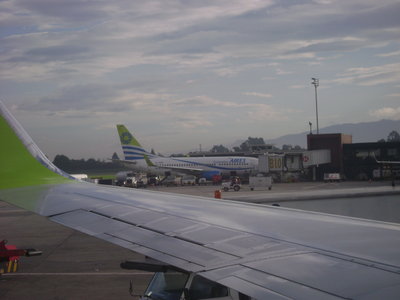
(216, 249)
(206, 167)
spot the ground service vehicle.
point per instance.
(260, 181)
(171, 180)
(189, 180)
(226, 186)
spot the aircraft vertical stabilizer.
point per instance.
(130, 146)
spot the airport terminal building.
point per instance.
(360, 163)
(333, 153)
(356, 161)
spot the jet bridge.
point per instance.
(292, 161)
(288, 164)
(316, 157)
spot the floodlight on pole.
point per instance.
(315, 82)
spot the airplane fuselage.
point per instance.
(201, 165)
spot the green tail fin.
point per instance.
(126, 137)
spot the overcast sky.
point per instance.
(183, 73)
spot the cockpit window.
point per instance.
(166, 286)
(202, 288)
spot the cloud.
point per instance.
(196, 64)
(255, 94)
(94, 38)
(72, 11)
(297, 86)
(333, 45)
(193, 121)
(370, 76)
(204, 111)
(54, 53)
(394, 53)
(282, 72)
(220, 106)
(79, 98)
(231, 70)
(395, 95)
(392, 113)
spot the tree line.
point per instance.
(250, 144)
(81, 165)
(393, 136)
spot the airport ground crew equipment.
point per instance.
(226, 186)
(9, 256)
(260, 181)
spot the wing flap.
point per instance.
(304, 276)
(347, 278)
(161, 245)
(257, 284)
(270, 287)
(253, 290)
(274, 268)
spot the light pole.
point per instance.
(315, 82)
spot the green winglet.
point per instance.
(18, 167)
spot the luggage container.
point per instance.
(260, 181)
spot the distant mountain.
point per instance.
(361, 133)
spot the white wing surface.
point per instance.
(264, 252)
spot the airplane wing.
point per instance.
(263, 252)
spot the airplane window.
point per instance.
(202, 288)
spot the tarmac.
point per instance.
(76, 266)
(290, 191)
(73, 265)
